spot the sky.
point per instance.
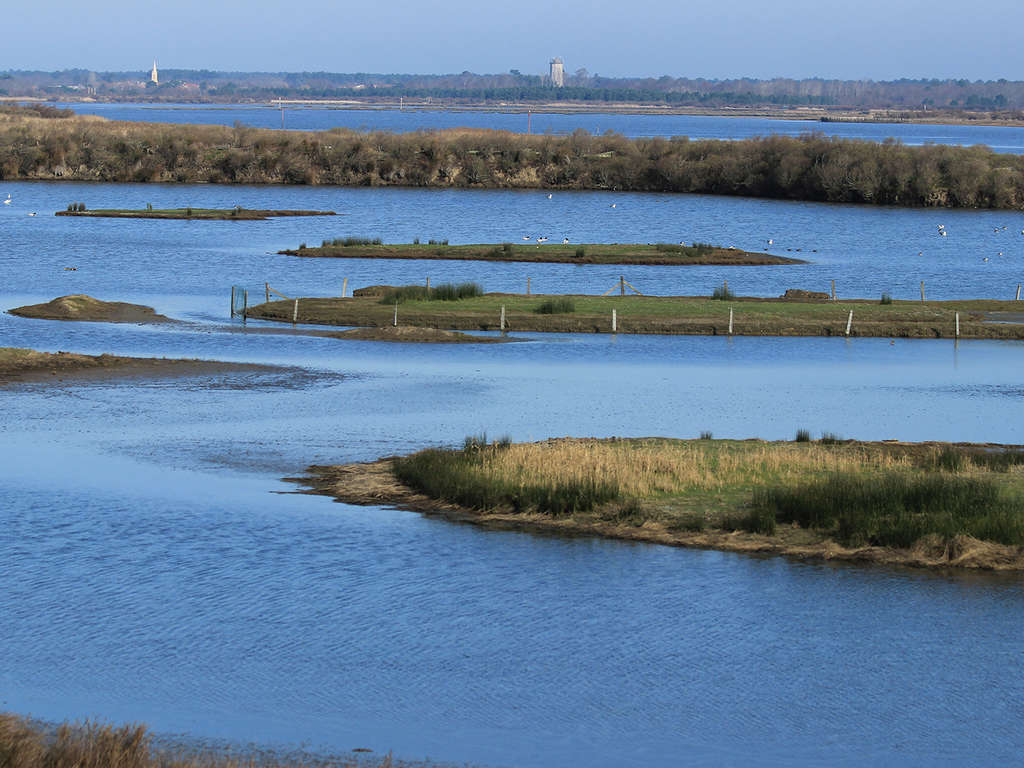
(863, 39)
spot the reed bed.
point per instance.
(861, 493)
(28, 744)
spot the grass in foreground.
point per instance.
(879, 494)
(28, 744)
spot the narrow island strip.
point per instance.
(17, 364)
(916, 504)
(652, 254)
(190, 214)
(466, 307)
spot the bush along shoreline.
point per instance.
(920, 504)
(811, 167)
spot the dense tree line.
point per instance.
(515, 86)
(811, 167)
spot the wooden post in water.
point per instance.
(295, 312)
(267, 287)
(849, 322)
(428, 286)
(344, 288)
(528, 287)
(1018, 291)
(232, 301)
(957, 325)
(396, 315)
(245, 304)
(730, 321)
(615, 323)
(502, 317)
(622, 285)
(922, 290)
(833, 290)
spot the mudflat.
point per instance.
(85, 308)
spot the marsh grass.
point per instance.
(442, 292)
(28, 744)
(556, 307)
(349, 242)
(861, 493)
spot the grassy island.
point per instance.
(659, 254)
(201, 214)
(447, 308)
(927, 504)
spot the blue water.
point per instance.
(310, 118)
(157, 568)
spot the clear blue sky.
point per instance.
(869, 39)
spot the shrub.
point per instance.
(302, 246)
(803, 436)
(886, 299)
(442, 292)
(581, 253)
(722, 293)
(830, 438)
(705, 435)
(506, 247)
(556, 307)
(415, 241)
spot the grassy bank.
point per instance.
(657, 314)
(930, 503)
(811, 167)
(203, 214)
(660, 254)
(26, 743)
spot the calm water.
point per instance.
(999, 138)
(153, 570)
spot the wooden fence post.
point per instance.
(528, 287)
(622, 285)
(295, 312)
(503, 317)
(266, 286)
(957, 325)
(922, 290)
(344, 288)
(428, 286)
(849, 322)
(614, 322)
(232, 301)
(1018, 291)
(245, 304)
(396, 315)
(730, 321)
(833, 290)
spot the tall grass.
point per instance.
(556, 307)
(895, 509)
(345, 242)
(442, 292)
(722, 293)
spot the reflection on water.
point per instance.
(156, 568)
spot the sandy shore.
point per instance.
(374, 483)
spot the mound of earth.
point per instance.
(417, 335)
(798, 293)
(86, 308)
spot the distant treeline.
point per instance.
(580, 86)
(812, 167)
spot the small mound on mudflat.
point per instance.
(86, 308)
(416, 335)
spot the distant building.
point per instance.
(557, 72)
(153, 78)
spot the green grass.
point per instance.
(442, 292)
(562, 306)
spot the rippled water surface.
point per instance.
(155, 567)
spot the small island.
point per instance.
(920, 504)
(466, 307)
(650, 254)
(189, 214)
(80, 307)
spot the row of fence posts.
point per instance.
(621, 285)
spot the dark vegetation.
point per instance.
(441, 292)
(811, 167)
(449, 475)
(562, 306)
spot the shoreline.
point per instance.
(373, 483)
(192, 214)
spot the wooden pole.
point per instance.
(615, 323)
(503, 317)
(725, 288)
(245, 304)
(1018, 291)
(295, 312)
(922, 290)
(622, 285)
(833, 290)
(267, 287)
(730, 321)
(344, 288)
(232, 301)
(528, 288)
(396, 315)
(428, 286)
(958, 325)
(849, 322)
